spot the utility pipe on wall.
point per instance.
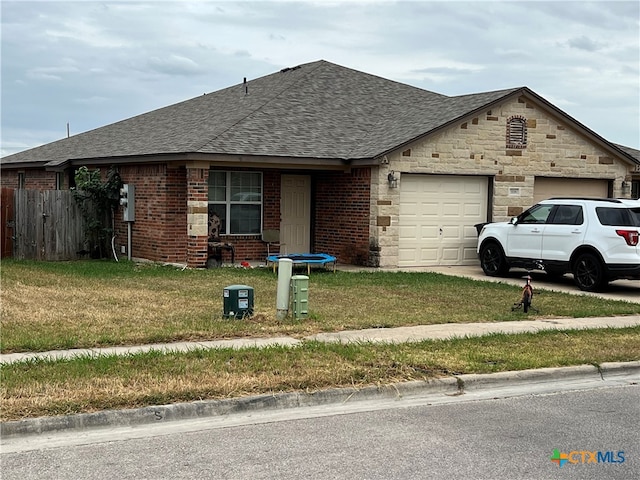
(129, 234)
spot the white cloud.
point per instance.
(93, 63)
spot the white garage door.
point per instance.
(569, 187)
(437, 218)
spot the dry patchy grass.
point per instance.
(91, 303)
(38, 388)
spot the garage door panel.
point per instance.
(428, 255)
(428, 209)
(409, 231)
(451, 209)
(428, 233)
(472, 211)
(470, 232)
(547, 187)
(469, 255)
(472, 188)
(451, 232)
(444, 209)
(451, 255)
(418, 256)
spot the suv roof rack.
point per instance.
(612, 200)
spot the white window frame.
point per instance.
(229, 202)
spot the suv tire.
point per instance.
(588, 273)
(492, 260)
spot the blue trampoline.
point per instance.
(307, 259)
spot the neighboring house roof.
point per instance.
(630, 151)
(317, 110)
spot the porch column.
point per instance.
(197, 215)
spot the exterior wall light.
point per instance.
(393, 181)
(625, 187)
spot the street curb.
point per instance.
(453, 385)
(214, 408)
(473, 381)
(620, 368)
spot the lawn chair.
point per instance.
(272, 239)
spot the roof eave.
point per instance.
(469, 114)
(527, 92)
(601, 141)
(213, 159)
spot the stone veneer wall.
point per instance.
(477, 146)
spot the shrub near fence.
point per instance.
(48, 225)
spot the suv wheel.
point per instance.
(588, 273)
(492, 260)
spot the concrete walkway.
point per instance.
(375, 335)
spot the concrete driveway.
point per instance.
(627, 290)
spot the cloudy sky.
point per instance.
(90, 63)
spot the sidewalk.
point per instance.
(375, 335)
(19, 435)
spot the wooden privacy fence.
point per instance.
(48, 225)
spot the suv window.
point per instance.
(536, 214)
(567, 215)
(619, 217)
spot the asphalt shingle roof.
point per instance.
(315, 110)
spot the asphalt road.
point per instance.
(483, 436)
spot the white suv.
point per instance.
(595, 239)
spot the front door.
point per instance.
(295, 210)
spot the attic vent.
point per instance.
(517, 132)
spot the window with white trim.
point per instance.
(236, 199)
(517, 132)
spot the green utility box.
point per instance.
(300, 291)
(237, 301)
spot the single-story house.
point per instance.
(372, 171)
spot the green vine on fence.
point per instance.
(98, 200)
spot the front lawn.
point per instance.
(47, 305)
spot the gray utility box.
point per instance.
(237, 301)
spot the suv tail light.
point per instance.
(630, 236)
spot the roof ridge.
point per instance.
(318, 63)
(504, 91)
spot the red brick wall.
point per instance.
(33, 179)
(159, 232)
(341, 216)
(9, 178)
(340, 224)
(247, 247)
